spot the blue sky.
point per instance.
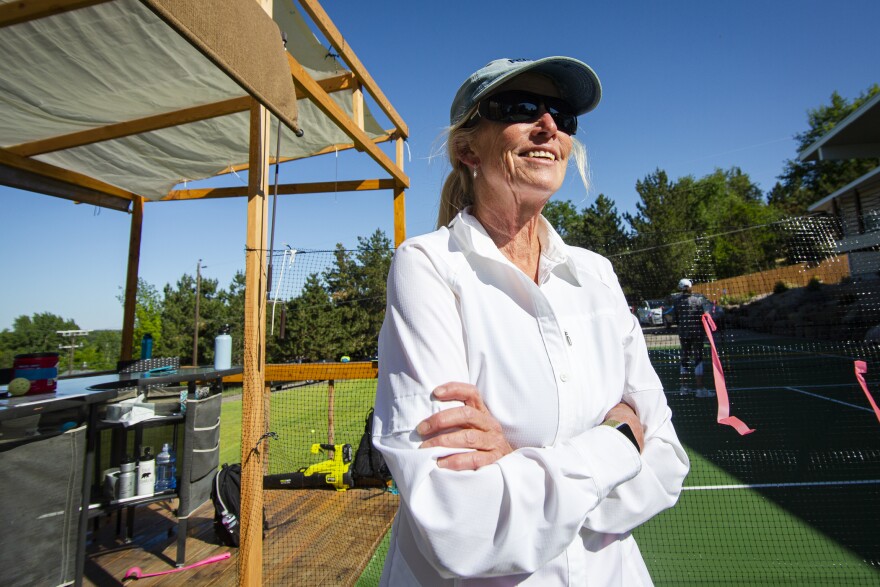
(688, 87)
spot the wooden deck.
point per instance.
(315, 537)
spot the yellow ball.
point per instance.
(19, 386)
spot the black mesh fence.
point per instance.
(795, 501)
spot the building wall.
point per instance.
(869, 198)
(864, 264)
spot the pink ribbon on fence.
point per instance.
(724, 416)
(861, 369)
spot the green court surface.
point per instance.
(797, 502)
(731, 534)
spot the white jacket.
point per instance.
(550, 360)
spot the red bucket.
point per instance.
(40, 368)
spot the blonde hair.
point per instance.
(458, 188)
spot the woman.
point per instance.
(516, 407)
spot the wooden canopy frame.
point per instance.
(19, 168)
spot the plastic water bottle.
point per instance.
(223, 349)
(165, 469)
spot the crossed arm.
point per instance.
(472, 426)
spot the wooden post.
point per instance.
(357, 106)
(399, 200)
(331, 400)
(253, 405)
(131, 277)
(250, 569)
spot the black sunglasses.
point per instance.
(518, 106)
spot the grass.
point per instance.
(370, 576)
(299, 416)
(230, 431)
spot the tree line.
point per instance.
(339, 310)
(722, 216)
(337, 313)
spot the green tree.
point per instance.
(565, 218)
(314, 331)
(100, 350)
(357, 287)
(178, 319)
(147, 316)
(603, 228)
(665, 224)
(232, 302)
(598, 228)
(709, 228)
(33, 334)
(738, 226)
(213, 315)
(804, 183)
(178, 310)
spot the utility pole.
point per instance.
(71, 334)
(195, 358)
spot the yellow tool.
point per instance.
(332, 473)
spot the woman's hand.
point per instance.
(624, 413)
(470, 426)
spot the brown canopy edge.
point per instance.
(243, 41)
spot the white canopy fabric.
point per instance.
(117, 62)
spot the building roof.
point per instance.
(856, 136)
(868, 180)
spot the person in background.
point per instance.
(516, 407)
(689, 313)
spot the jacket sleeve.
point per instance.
(664, 461)
(510, 517)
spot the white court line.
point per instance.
(781, 485)
(811, 386)
(779, 359)
(806, 352)
(766, 387)
(816, 395)
(836, 401)
(795, 389)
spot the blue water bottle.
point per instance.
(147, 346)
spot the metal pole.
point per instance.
(195, 358)
(275, 197)
(274, 207)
